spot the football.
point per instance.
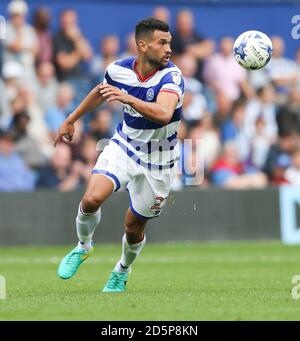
(252, 50)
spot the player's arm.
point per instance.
(159, 112)
(90, 102)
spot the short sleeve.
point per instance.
(173, 82)
(104, 81)
(107, 78)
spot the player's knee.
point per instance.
(91, 201)
(131, 228)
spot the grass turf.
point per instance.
(180, 281)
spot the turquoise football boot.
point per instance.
(71, 262)
(116, 282)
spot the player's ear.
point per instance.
(142, 45)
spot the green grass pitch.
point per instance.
(180, 281)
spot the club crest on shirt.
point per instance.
(150, 94)
(176, 77)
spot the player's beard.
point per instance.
(156, 63)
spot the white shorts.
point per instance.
(148, 190)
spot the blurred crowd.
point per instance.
(248, 123)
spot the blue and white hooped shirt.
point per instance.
(150, 144)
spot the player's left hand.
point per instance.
(111, 93)
(65, 133)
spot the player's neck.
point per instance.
(144, 69)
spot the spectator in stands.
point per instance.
(37, 128)
(64, 105)
(109, 50)
(194, 105)
(292, 174)
(223, 109)
(282, 70)
(223, 73)
(25, 145)
(288, 114)
(297, 59)
(230, 172)
(60, 174)
(161, 13)
(263, 106)
(88, 157)
(5, 111)
(12, 75)
(71, 50)
(41, 24)
(186, 40)
(234, 129)
(294, 100)
(46, 86)
(1, 48)
(260, 143)
(14, 173)
(131, 49)
(101, 125)
(259, 79)
(209, 141)
(279, 156)
(21, 43)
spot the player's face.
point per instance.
(158, 49)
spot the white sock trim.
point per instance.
(87, 214)
(130, 252)
(84, 246)
(136, 244)
(86, 224)
(119, 268)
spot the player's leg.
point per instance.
(88, 217)
(147, 193)
(109, 174)
(98, 190)
(133, 242)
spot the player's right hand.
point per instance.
(65, 133)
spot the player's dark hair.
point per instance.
(148, 26)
